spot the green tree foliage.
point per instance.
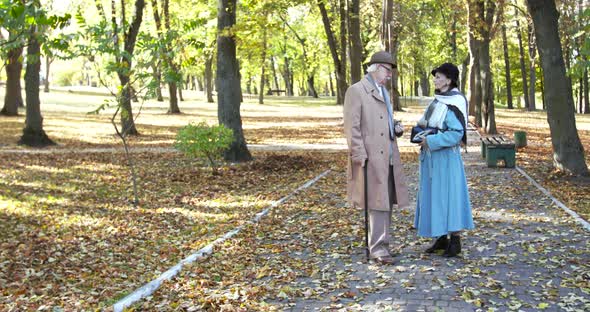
(202, 140)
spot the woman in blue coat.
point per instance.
(443, 206)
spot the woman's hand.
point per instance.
(424, 143)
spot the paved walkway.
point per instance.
(526, 254)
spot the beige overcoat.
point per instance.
(367, 134)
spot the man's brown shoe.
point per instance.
(385, 260)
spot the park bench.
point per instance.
(494, 148)
(277, 92)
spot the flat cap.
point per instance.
(382, 57)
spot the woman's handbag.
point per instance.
(418, 133)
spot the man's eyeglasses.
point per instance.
(389, 70)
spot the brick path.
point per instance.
(524, 255)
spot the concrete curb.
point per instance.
(152, 286)
(556, 201)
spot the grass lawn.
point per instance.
(70, 237)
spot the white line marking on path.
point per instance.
(152, 286)
(559, 204)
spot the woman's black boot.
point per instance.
(441, 243)
(454, 246)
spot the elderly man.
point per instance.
(371, 136)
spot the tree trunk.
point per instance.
(424, 83)
(48, 62)
(173, 90)
(209, 78)
(332, 93)
(228, 83)
(33, 133)
(580, 96)
(532, 86)
(311, 91)
(487, 89)
(249, 84)
(356, 45)
(158, 78)
(522, 65)
(262, 67)
(127, 122)
(339, 65)
(543, 92)
(474, 19)
(474, 80)
(274, 73)
(532, 72)
(580, 93)
(13, 98)
(288, 77)
(464, 70)
(343, 45)
(507, 69)
(180, 97)
(199, 82)
(586, 99)
(568, 152)
(170, 66)
(390, 29)
(481, 29)
(401, 84)
(124, 101)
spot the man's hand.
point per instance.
(398, 128)
(359, 160)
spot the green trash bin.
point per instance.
(520, 139)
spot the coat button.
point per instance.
(381, 117)
(381, 152)
(381, 133)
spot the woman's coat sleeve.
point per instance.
(448, 138)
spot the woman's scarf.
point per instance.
(436, 113)
(456, 99)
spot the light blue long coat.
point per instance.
(443, 200)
